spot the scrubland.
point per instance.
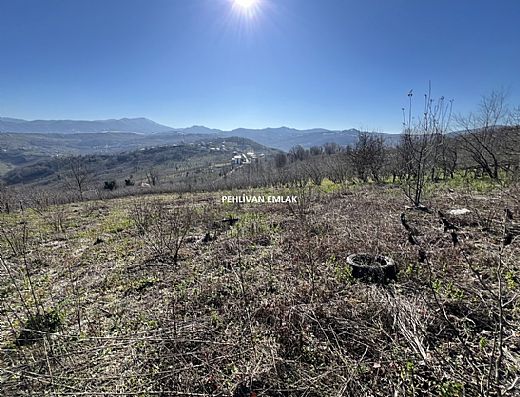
(180, 294)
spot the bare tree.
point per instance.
(5, 199)
(316, 150)
(280, 160)
(368, 156)
(513, 143)
(297, 152)
(314, 169)
(482, 138)
(447, 157)
(78, 174)
(331, 148)
(420, 141)
(338, 167)
(152, 177)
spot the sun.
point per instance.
(246, 4)
(247, 13)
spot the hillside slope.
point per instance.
(168, 161)
(266, 307)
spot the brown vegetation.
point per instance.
(267, 306)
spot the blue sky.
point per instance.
(301, 63)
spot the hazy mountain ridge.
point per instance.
(140, 125)
(284, 138)
(78, 135)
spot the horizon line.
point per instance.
(375, 130)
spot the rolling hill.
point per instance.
(171, 162)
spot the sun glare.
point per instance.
(248, 8)
(245, 15)
(246, 3)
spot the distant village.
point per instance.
(238, 157)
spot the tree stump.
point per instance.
(373, 268)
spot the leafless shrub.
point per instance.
(163, 228)
(6, 199)
(56, 217)
(17, 271)
(152, 177)
(471, 305)
(420, 142)
(300, 209)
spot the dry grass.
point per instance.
(267, 307)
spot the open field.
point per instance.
(94, 303)
(326, 205)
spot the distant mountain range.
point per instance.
(280, 138)
(139, 125)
